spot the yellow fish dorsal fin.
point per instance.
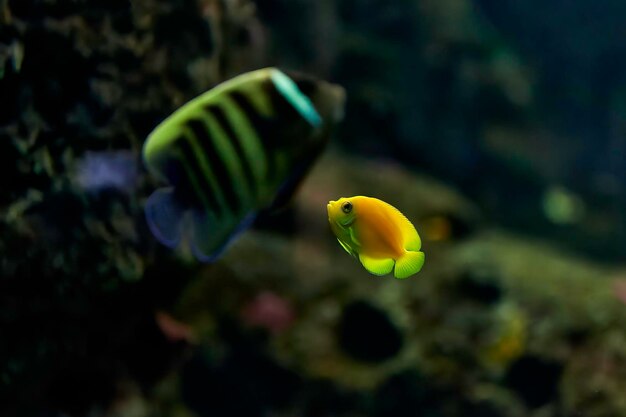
(411, 240)
(377, 266)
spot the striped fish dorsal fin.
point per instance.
(290, 91)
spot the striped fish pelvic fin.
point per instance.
(209, 234)
(165, 216)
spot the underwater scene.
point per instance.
(312, 208)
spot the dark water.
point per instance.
(497, 127)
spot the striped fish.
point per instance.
(240, 148)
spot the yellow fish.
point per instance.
(377, 233)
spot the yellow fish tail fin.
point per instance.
(377, 266)
(408, 264)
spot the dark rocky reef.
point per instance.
(83, 83)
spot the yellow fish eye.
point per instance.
(346, 207)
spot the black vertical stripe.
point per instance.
(225, 181)
(192, 162)
(223, 122)
(264, 127)
(295, 134)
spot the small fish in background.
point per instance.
(508, 338)
(100, 170)
(235, 151)
(562, 206)
(174, 330)
(446, 226)
(378, 234)
(437, 228)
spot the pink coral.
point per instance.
(269, 311)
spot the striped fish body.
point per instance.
(235, 150)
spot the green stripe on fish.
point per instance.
(250, 142)
(215, 160)
(236, 154)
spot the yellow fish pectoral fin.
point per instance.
(353, 236)
(408, 264)
(377, 266)
(346, 247)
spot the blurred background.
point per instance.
(497, 126)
